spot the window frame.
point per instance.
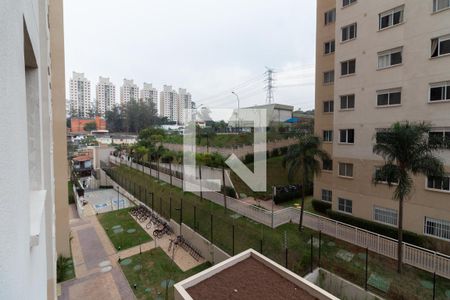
(436, 9)
(347, 27)
(346, 165)
(346, 204)
(440, 39)
(329, 135)
(391, 12)
(331, 47)
(330, 105)
(347, 136)
(350, 2)
(327, 20)
(348, 67)
(331, 75)
(389, 92)
(385, 219)
(442, 84)
(346, 98)
(445, 140)
(329, 195)
(434, 188)
(331, 165)
(441, 223)
(389, 53)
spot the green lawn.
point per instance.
(250, 234)
(117, 224)
(150, 269)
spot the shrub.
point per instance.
(248, 158)
(392, 232)
(321, 206)
(275, 153)
(287, 193)
(229, 191)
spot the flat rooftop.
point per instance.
(248, 275)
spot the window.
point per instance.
(440, 46)
(440, 91)
(328, 165)
(437, 228)
(349, 32)
(328, 77)
(347, 136)
(327, 195)
(440, 138)
(328, 106)
(329, 47)
(347, 2)
(439, 183)
(330, 16)
(382, 178)
(348, 67)
(389, 97)
(440, 5)
(385, 215)
(390, 58)
(391, 17)
(328, 135)
(345, 170)
(348, 102)
(345, 205)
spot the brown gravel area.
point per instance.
(249, 280)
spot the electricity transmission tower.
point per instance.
(269, 85)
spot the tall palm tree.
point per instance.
(406, 151)
(303, 159)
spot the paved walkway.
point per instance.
(98, 276)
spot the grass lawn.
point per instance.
(119, 227)
(149, 271)
(250, 234)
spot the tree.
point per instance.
(90, 126)
(303, 159)
(406, 151)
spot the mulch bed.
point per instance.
(250, 280)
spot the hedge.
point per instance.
(392, 232)
(321, 206)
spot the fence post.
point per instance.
(320, 246)
(367, 268)
(434, 285)
(195, 218)
(212, 241)
(312, 246)
(233, 237)
(261, 246)
(160, 206)
(170, 207)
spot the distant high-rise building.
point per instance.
(149, 93)
(105, 95)
(168, 103)
(80, 95)
(128, 91)
(184, 103)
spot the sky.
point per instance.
(210, 47)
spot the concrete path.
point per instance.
(98, 276)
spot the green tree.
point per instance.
(303, 159)
(406, 151)
(90, 126)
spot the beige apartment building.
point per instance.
(379, 62)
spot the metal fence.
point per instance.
(418, 257)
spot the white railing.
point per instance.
(418, 257)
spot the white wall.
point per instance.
(26, 133)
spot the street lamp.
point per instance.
(237, 96)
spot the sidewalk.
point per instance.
(98, 276)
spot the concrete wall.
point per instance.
(27, 255)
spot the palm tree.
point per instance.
(303, 159)
(406, 151)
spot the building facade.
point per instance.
(149, 93)
(169, 103)
(128, 91)
(185, 103)
(105, 95)
(80, 95)
(379, 62)
(32, 55)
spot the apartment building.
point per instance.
(128, 91)
(169, 103)
(105, 95)
(149, 93)
(33, 145)
(379, 62)
(80, 95)
(185, 103)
